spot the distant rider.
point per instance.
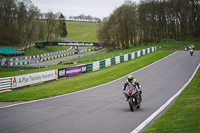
(192, 46)
(189, 46)
(134, 82)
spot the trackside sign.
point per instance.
(76, 70)
(33, 78)
(71, 71)
(73, 44)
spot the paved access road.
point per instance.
(102, 109)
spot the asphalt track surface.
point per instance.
(102, 109)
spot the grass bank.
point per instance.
(82, 31)
(184, 115)
(67, 85)
(35, 51)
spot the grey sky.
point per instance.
(95, 8)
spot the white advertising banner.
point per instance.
(33, 78)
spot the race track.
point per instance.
(102, 109)
(53, 62)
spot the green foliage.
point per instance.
(120, 29)
(39, 45)
(62, 27)
(21, 24)
(150, 21)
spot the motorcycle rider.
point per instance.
(135, 82)
(189, 46)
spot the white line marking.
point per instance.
(85, 89)
(143, 124)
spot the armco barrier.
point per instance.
(121, 58)
(126, 57)
(132, 56)
(129, 56)
(136, 55)
(5, 83)
(96, 65)
(76, 70)
(89, 67)
(113, 61)
(27, 60)
(108, 62)
(118, 59)
(102, 64)
(141, 52)
(34, 78)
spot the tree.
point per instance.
(8, 28)
(51, 24)
(120, 28)
(62, 26)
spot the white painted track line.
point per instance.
(151, 117)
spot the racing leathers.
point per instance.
(136, 84)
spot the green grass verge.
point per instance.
(184, 115)
(68, 85)
(35, 51)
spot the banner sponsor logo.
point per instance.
(33, 78)
(76, 70)
(71, 71)
(84, 69)
(75, 44)
(61, 73)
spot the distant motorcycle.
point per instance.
(185, 49)
(191, 52)
(133, 97)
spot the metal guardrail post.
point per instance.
(5, 83)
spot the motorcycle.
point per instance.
(191, 52)
(133, 97)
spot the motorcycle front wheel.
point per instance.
(191, 53)
(131, 104)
